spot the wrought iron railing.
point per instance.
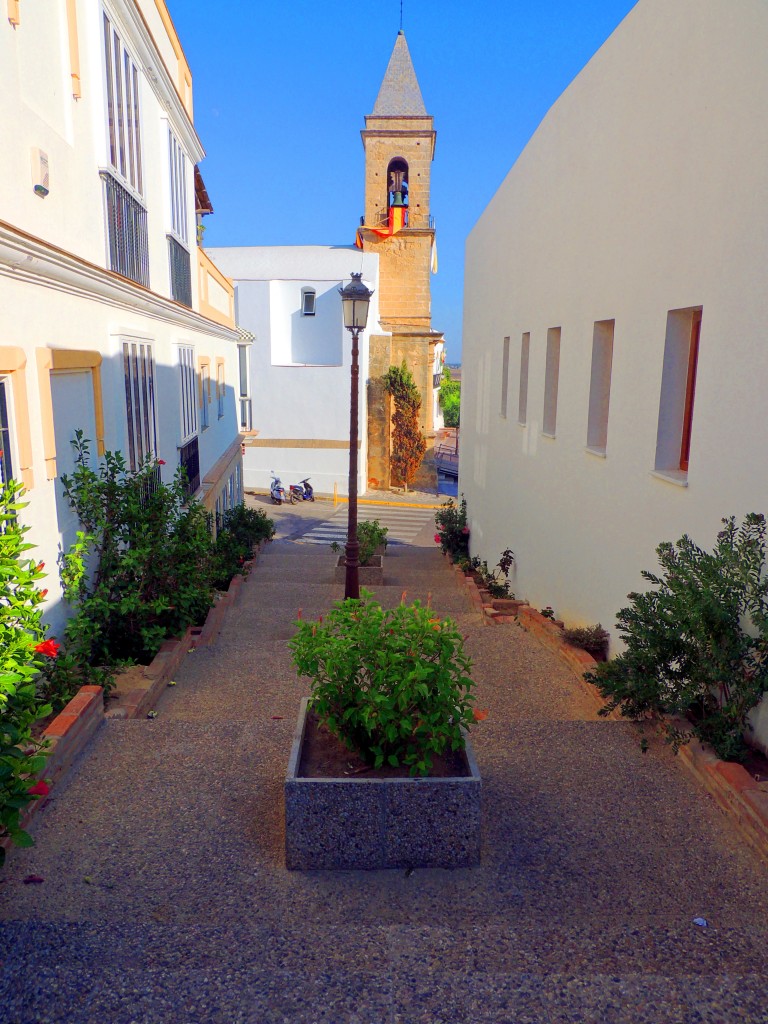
(189, 460)
(127, 231)
(181, 275)
(436, 378)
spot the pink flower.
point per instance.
(161, 462)
(39, 789)
(465, 531)
(48, 647)
(437, 538)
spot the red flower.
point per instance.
(161, 462)
(40, 566)
(48, 647)
(39, 789)
(43, 593)
(437, 538)
(465, 530)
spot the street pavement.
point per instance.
(165, 900)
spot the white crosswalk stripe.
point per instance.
(402, 523)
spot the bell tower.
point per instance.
(399, 142)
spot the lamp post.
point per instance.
(355, 298)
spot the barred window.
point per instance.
(139, 374)
(123, 121)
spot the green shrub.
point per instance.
(371, 535)
(240, 530)
(392, 684)
(697, 644)
(592, 639)
(141, 568)
(496, 582)
(23, 650)
(452, 530)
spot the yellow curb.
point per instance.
(391, 504)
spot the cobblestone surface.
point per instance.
(165, 897)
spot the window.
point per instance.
(551, 376)
(6, 458)
(678, 388)
(178, 253)
(123, 122)
(139, 372)
(308, 296)
(244, 388)
(205, 395)
(126, 216)
(522, 404)
(504, 377)
(600, 385)
(220, 389)
(188, 392)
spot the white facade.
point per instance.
(111, 319)
(638, 205)
(299, 374)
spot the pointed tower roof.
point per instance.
(400, 95)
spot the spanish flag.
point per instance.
(396, 220)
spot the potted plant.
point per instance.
(372, 538)
(391, 690)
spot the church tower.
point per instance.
(399, 142)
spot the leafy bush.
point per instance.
(141, 569)
(392, 684)
(240, 530)
(592, 639)
(371, 535)
(697, 644)
(452, 530)
(496, 582)
(23, 650)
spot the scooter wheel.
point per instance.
(293, 498)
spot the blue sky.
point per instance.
(281, 91)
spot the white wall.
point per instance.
(300, 408)
(55, 290)
(642, 192)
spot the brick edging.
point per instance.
(736, 794)
(64, 739)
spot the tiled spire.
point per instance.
(400, 95)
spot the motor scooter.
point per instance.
(277, 491)
(303, 490)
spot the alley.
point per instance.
(165, 899)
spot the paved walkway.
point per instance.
(165, 899)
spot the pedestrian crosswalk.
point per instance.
(403, 523)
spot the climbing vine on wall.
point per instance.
(408, 442)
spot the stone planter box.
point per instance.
(371, 575)
(365, 823)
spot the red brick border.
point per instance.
(737, 795)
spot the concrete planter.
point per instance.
(364, 823)
(371, 575)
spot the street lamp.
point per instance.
(355, 299)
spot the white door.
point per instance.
(73, 409)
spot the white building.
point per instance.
(112, 319)
(615, 361)
(298, 381)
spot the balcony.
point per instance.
(127, 231)
(189, 460)
(180, 272)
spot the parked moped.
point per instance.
(303, 491)
(277, 491)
